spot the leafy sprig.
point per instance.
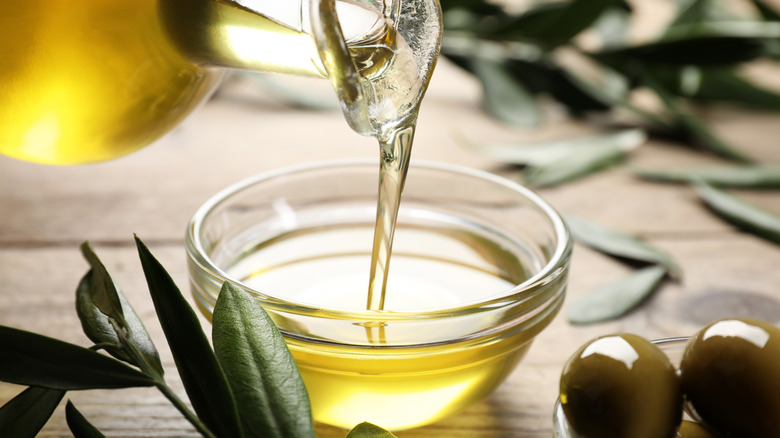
(740, 213)
(247, 386)
(694, 60)
(615, 299)
(618, 298)
(556, 162)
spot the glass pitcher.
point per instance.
(96, 79)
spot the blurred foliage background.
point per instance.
(587, 57)
(583, 55)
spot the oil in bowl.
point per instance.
(479, 267)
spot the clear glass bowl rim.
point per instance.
(524, 291)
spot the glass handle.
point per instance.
(339, 65)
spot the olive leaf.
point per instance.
(755, 176)
(547, 152)
(102, 290)
(766, 11)
(475, 6)
(24, 415)
(739, 212)
(695, 11)
(558, 161)
(368, 430)
(37, 360)
(613, 27)
(579, 163)
(618, 244)
(556, 23)
(202, 376)
(616, 299)
(524, 154)
(584, 160)
(689, 45)
(613, 89)
(693, 128)
(98, 286)
(251, 349)
(506, 99)
(719, 85)
(543, 76)
(536, 50)
(79, 426)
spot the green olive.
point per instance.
(730, 374)
(689, 429)
(621, 386)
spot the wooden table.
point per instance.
(48, 211)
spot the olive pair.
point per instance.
(624, 386)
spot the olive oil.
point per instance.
(383, 372)
(437, 267)
(91, 81)
(392, 176)
(382, 99)
(99, 80)
(403, 388)
(471, 284)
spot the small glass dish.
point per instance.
(479, 268)
(674, 349)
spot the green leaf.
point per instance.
(584, 160)
(532, 23)
(201, 374)
(613, 90)
(613, 27)
(693, 45)
(740, 213)
(766, 11)
(36, 360)
(618, 244)
(576, 165)
(480, 7)
(616, 299)
(733, 28)
(722, 85)
(543, 76)
(546, 152)
(265, 379)
(557, 161)
(102, 289)
(79, 426)
(693, 12)
(557, 23)
(368, 430)
(96, 324)
(26, 414)
(693, 128)
(472, 17)
(755, 177)
(505, 98)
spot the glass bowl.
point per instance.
(479, 268)
(674, 349)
